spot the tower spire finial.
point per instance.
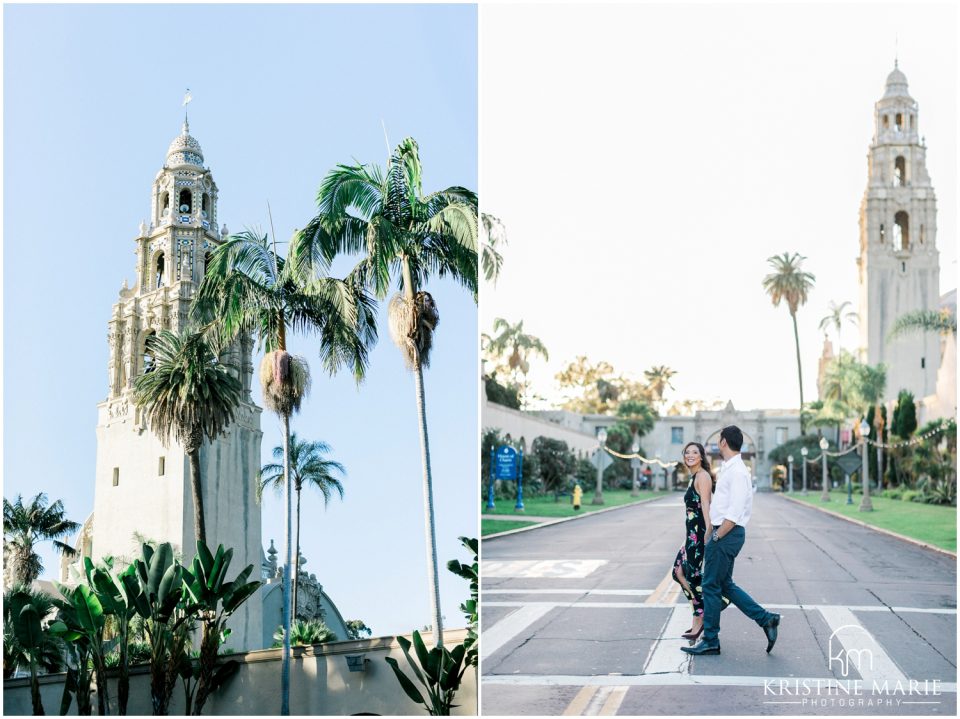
(896, 51)
(187, 97)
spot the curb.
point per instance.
(902, 537)
(561, 520)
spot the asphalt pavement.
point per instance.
(581, 618)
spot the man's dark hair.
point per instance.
(734, 437)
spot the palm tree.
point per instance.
(248, 288)
(493, 237)
(189, 394)
(410, 236)
(307, 465)
(943, 322)
(24, 527)
(517, 346)
(658, 379)
(836, 316)
(790, 283)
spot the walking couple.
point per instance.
(717, 510)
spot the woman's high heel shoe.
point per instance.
(690, 635)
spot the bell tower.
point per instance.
(142, 487)
(899, 266)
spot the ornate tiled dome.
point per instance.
(184, 150)
(896, 83)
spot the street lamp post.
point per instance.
(635, 466)
(825, 495)
(790, 471)
(601, 440)
(803, 454)
(865, 504)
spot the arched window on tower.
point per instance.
(158, 272)
(921, 234)
(164, 204)
(148, 360)
(886, 122)
(901, 231)
(883, 234)
(900, 171)
(185, 203)
(206, 263)
(899, 122)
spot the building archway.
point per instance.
(748, 452)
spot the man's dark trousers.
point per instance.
(718, 582)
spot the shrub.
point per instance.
(894, 493)
(912, 495)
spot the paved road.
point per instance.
(581, 619)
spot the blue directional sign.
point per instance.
(505, 463)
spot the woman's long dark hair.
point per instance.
(704, 461)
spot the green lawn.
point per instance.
(547, 507)
(492, 526)
(931, 523)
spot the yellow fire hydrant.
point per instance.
(577, 494)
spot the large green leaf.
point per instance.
(408, 686)
(88, 608)
(405, 647)
(239, 596)
(27, 628)
(158, 566)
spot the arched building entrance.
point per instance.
(748, 452)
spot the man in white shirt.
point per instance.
(729, 514)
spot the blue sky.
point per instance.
(280, 95)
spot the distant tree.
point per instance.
(905, 415)
(791, 284)
(308, 466)
(357, 629)
(583, 381)
(501, 394)
(493, 237)
(26, 526)
(555, 460)
(658, 379)
(943, 322)
(515, 348)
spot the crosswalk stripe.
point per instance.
(587, 592)
(507, 628)
(654, 680)
(666, 656)
(647, 605)
(597, 702)
(871, 661)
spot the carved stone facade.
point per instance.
(899, 265)
(143, 487)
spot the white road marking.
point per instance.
(852, 649)
(597, 701)
(585, 592)
(657, 505)
(666, 657)
(642, 605)
(582, 605)
(510, 626)
(554, 680)
(542, 569)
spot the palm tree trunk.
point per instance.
(35, 689)
(287, 497)
(796, 338)
(199, 526)
(430, 526)
(296, 561)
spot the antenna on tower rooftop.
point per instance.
(187, 97)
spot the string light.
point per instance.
(647, 460)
